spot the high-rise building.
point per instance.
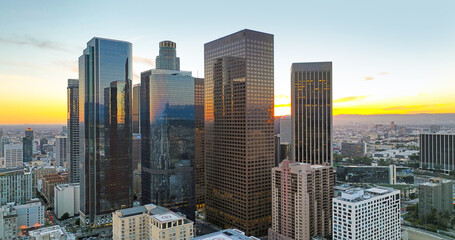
(436, 194)
(150, 222)
(3, 141)
(167, 59)
(199, 158)
(105, 85)
(437, 151)
(27, 142)
(17, 186)
(311, 106)
(48, 183)
(301, 201)
(12, 156)
(8, 222)
(372, 213)
(136, 108)
(285, 129)
(72, 92)
(61, 150)
(42, 142)
(66, 199)
(167, 135)
(239, 130)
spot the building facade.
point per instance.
(17, 186)
(13, 156)
(8, 222)
(136, 108)
(66, 199)
(437, 151)
(199, 154)
(30, 214)
(150, 222)
(72, 117)
(311, 107)
(105, 84)
(437, 194)
(239, 130)
(168, 135)
(353, 149)
(49, 182)
(226, 234)
(61, 150)
(301, 201)
(372, 213)
(27, 142)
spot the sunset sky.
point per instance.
(388, 56)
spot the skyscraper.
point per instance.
(136, 102)
(105, 86)
(437, 151)
(301, 201)
(199, 158)
(435, 195)
(72, 117)
(28, 145)
(167, 134)
(12, 156)
(61, 150)
(311, 106)
(239, 144)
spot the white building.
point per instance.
(372, 213)
(13, 156)
(50, 233)
(8, 222)
(30, 214)
(15, 186)
(61, 150)
(66, 199)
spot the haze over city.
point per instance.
(388, 57)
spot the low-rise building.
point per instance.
(227, 234)
(49, 182)
(372, 213)
(353, 149)
(66, 199)
(30, 214)
(50, 233)
(150, 222)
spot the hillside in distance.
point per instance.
(443, 119)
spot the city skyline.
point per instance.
(376, 51)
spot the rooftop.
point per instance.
(362, 194)
(227, 234)
(167, 217)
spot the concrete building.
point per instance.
(437, 151)
(16, 186)
(239, 130)
(301, 201)
(49, 182)
(13, 156)
(311, 106)
(437, 194)
(67, 199)
(8, 222)
(372, 213)
(39, 172)
(285, 129)
(353, 149)
(150, 222)
(50, 233)
(61, 150)
(226, 234)
(73, 130)
(30, 214)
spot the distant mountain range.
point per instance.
(443, 119)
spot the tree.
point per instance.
(65, 216)
(78, 221)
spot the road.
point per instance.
(427, 232)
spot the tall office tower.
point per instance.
(285, 129)
(199, 158)
(437, 151)
(301, 201)
(372, 213)
(42, 142)
(28, 145)
(239, 130)
(3, 141)
(136, 108)
(311, 106)
(436, 194)
(168, 59)
(105, 85)
(167, 136)
(17, 186)
(13, 156)
(72, 117)
(61, 150)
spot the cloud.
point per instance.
(143, 60)
(349, 99)
(415, 107)
(70, 65)
(369, 78)
(31, 41)
(383, 73)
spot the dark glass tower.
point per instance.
(136, 102)
(311, 104)
(199, 158)
(239, 130)
(27, 142)
(105, 129)
(73, 129)
(167, 138)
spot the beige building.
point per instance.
(301, 201)
(150, 222)
(49, 182)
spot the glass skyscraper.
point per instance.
(28, 145)
(239, 130)
(105, 86)
(167, 134)
(73, 129)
